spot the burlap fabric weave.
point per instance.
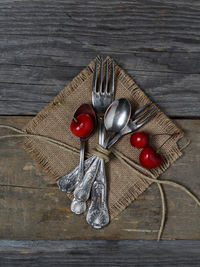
(54, 122)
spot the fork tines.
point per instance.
(144, 114)
(107, 88)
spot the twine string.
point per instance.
(163, 202)
(101, 152)
(140, 171)
(104, 153)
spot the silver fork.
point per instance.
(138, 119)
(102, 97)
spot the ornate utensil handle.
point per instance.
(77, 206)
(68, 182)
(98, 215)
(82, 191)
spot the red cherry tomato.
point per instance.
(84, 125)
(139, 139)
(149, 158)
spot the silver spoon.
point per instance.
(67, 183)
(115, 119)
(118, 115)
(77, 206)
(98, 215)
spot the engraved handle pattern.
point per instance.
(82, 191)
(68, 182)
(98, 215)
(77, 206)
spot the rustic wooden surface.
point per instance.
(32, 209)
(43, 45)
(99, 253)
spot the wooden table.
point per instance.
(43, 45)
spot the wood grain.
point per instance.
(44, 44)
(30, 208)
(99, 253)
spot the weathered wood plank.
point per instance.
(99, 253)
(44, 44)
(30, 88)
(141, 25)
(30, 209)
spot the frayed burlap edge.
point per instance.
(137, 189)
(134, 89)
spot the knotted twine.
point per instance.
(104, 154)
(101, 152)
(51, 144)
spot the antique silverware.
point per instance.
(102, 97)
(136, 122)
(116, 121)
(80, 206)
(67, 183)
(98, 215)
(132, 126)
(116, 117)
(72, 177)
(77, 206)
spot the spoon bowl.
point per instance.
(117, 115)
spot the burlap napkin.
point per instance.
(54, 121)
